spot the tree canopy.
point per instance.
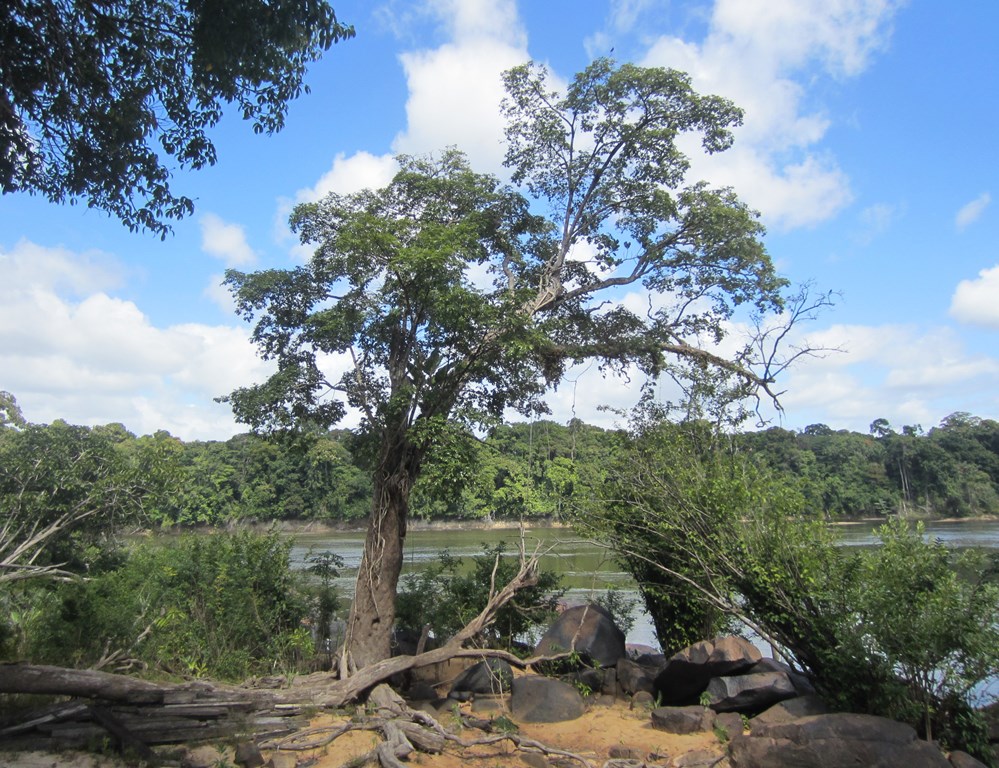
(455, 299)
(95, 94)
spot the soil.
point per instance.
(591, 736)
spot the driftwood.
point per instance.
(138, 714)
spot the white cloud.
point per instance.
(226, 241)
(975, 301)
(971, 212)
(347, 175)
(757, 53)
(70, 349)
(455, 90)
(902, 373)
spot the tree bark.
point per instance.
(372, 614)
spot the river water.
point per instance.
(587, 569)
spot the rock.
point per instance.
(682, 719)
(534, 760)
(749, 693)
(608, 685)
(961, 759)
(203, 757)
(688, 672)
(248, 755)
(696, 758)
(801, 683)
(791, 709)
(642, 700)
(587, 629)
(729, 723)
(282, 760)
(624, 762)
(833, 740)
(420, 691)
(491, 676)
(633, 677)
(536, 699)
(619, 752)
(490, 704)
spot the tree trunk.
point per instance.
(369, 628)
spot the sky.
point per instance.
(869, 147)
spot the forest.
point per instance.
(537, 470)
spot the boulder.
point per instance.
(490, 676)
(791, 709)
(834, 740)
(682, 719)
(587, 629)
(961, 759)
(633, 677)
(801, 682)
(750, 693)
(536, 699)
(729, 723)
(688, 672)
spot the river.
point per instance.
(586, 568)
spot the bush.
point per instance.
(224, 605)
(908, 629)
(447, 599)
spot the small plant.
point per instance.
(721, 734)
(583, 688)
(705, 699)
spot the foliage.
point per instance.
(221, 605)
(324, 598)
(64, 488)
(447, 596)
(906, 629)
(95, 92)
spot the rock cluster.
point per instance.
(769, 715)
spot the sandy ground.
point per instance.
(592, 737)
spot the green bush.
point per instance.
(223, 605)
(908, 629)
(446, 598)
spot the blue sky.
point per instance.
(869, 147)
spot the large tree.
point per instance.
(455, 298)
(94, 93)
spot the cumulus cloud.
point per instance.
(347, 175)
(900, 372)
(757, 53)
(974, 301)
(226, 241)
(71, 349)
(455, 89)
(971, 212)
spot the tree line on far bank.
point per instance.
(533, 470)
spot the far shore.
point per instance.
(320, 527)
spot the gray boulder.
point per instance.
(536, 699)
(749, 693)
(838, 740)
(490, 676)
(801, 682)
(688, 672)
(961, 759)
(682, 719)
(587, 629)
(791, 709)
(633, 677)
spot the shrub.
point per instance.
(447, 599)
(908, 629)
(222, 605)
